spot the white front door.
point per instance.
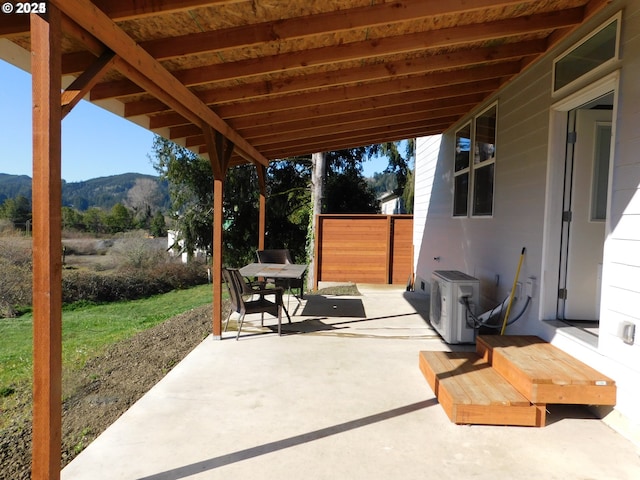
(585, 224)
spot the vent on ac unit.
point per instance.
(447, 314)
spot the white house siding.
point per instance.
(489, 248)
(426, 147)
(621, 276)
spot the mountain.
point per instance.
(12, 186)
(102, 192)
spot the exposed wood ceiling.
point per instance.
(283, 78)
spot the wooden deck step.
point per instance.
(471, 392)
(544, 373)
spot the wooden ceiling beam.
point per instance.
(357, 120)
(330, 140)
(401, 44)
(316, 24)
(376, 100)
(279, 153)
(350, 130)
(408, 106)
(117, 10)
(436, 97)
(373, 139)
(165, 120)
(283, 151)
(130, 9)
(262, 89)
(340, 129)
(298, 27)
(331, 55)
(89, 17)
(368, 90)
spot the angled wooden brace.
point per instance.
(220, 150)
(85, 82)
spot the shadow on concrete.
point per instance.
(258, 450)
(420, 302)
(321, 306)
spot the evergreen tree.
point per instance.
(119, 219)
(17, 210)
(158, 227)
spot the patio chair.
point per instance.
(281, 255)
(242, 293)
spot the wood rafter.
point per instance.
(402, 44)
(86, 14)
(296, 28)
(447, 93)
(272, 78)
(255, 81)
(117, 10)
(355, 75)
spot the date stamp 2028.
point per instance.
(25, 8)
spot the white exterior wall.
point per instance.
(621, 275)
(426, 147)
(525, 175)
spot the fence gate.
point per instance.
(374, 249)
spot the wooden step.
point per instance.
(544, 373)
(471, 392)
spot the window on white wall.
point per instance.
(461, 170)
(484, 159)
(596, 51)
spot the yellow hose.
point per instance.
(513, 292)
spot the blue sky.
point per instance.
(95, 143)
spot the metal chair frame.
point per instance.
(241, 294)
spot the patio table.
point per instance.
(274, 270)
(286, 271)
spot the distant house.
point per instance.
(390, 204)
(510, 176)
(172, 242)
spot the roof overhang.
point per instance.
(279, 79)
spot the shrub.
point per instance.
(129, 284)
(16, 277)
(135, 250)
(86, 246)
(145, 270)
(6, 227)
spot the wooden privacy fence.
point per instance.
(374, 249)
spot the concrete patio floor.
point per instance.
(338, 396)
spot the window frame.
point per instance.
(474, 166)
(595, 71)
(482, 164)
(462, 171)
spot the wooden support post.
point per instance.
(262, 212)
(216, 267)
(46, 70)
(220, 151)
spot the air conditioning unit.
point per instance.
(447, 315)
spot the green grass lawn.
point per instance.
(88, 330)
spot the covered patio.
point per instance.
(337, 397)
(252, 81)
